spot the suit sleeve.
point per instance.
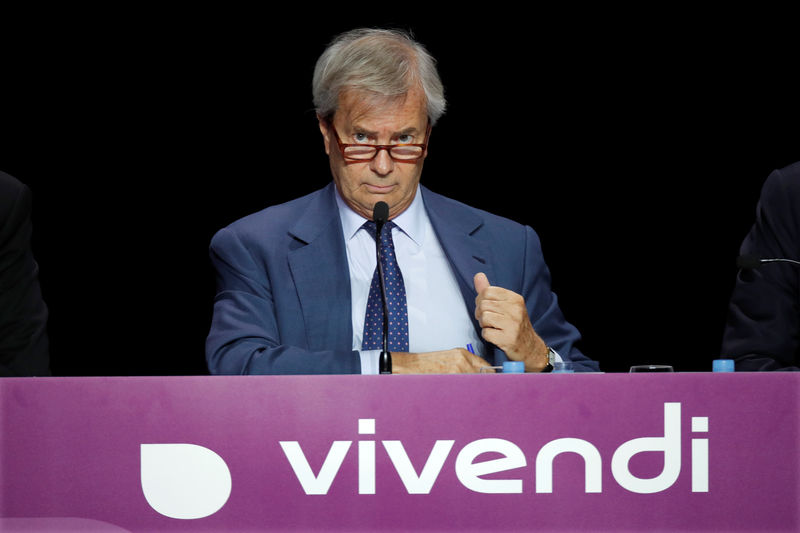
(24, 343)
(763, 326)
(246, 334)
(545, 314)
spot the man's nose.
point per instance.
(383, 163)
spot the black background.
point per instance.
(634, 142)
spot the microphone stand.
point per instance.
(379, 215)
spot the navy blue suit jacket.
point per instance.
(24, 343)
(283, 285)
(763, 327)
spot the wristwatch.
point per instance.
(551, 358)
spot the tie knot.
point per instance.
(369, 225)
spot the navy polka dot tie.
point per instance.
(395, 298)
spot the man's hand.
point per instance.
(504, 318)
(455, 361)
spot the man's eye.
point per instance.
(361, 137)
(405, 139)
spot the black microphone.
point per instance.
(749, 262)
(380, 214)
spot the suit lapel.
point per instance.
(458, 230)
(318, 263)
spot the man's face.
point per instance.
(359, 120)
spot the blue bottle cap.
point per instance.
(513, 367)
(722, 365)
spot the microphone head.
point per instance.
(380, 213)
(748, 261)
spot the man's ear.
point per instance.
(325, 128)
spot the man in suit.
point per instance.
(297, 281)
(763, 327)
(23, 314)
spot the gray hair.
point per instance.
(388, 63)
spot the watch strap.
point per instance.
(551, 357)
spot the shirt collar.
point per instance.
(411, 221)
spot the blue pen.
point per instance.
(470, 349)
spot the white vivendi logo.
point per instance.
(188, 481)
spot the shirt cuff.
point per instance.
(369, 361)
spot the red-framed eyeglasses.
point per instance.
(363, 153)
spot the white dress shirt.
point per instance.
(437, 316)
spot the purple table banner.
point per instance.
(569, 452)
